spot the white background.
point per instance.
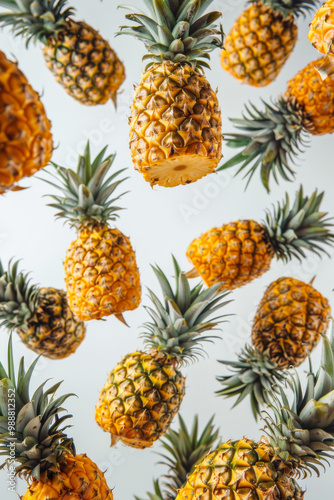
(159, 222)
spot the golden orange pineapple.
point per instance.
(80, 59)
(25, 131)
(40, 316)
(271, 140)
(237, 253)
(321, 35)
(175, 122)
(144, 391)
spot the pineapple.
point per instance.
(262, 39)
(321, 36)
(80, 59)
(238, 252)
(101, 272)
(144, 391)
(272, 139)
(175, 122)
(25, 137)
(40, 316)
(32, 432)
(289, 322)
(299, 439)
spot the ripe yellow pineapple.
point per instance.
(241, 251)
(101, 272)
(175, 122)
(25, 131)
(271, 140)
(43, 453)
(144, 391)
(80, 59)
(40, 316)
(321, 36)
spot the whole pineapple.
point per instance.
(272, 139)
(289, 323)
(101, 272)
(321, 35)
(144, 391)
(32, 433)
(175, 122)
(238, 252)
(262, 39)
(80, 59)
(40, 316)
(25, 131)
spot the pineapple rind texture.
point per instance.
(175, 115)
(101, 273)
(321, 32)
(25, 131)
(140, 399)
(258, 45)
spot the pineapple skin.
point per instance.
(53, 330)
(84, 64)
(321, 33)
(241, 469)
(25, 131)
(142, 395)
(290, 321)
(78, 479)
(101, 273)
(316, 96)
(175, 117)
(258, 45)
(233, 254)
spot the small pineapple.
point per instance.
(144, 391)
(25, 131)
(35, 437)
(272, 139)
(289, 323)
(262, 39)
(101, 272)
(238, 252)
(40, 316)
(175, 122)
(80, 59)
(321, 36)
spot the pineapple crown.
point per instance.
(271, 140)
(177, 31)
(302, 227)
(290, 7)
(183, 449)
(178, 325)
(35, 19)
(37, 435)
(86, 194)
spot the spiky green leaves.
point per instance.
(302, 227)
(177, 31)
(180, 322)
(87, 195)
(290, 7)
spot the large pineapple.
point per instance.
(271, 140)
(80, 59)
(144, 391)
(262, 39)
(299, 440)
(290, 320)
(32, 433)
(321, 36)
(101, 272)
(25, 131)
(40, 316)
(175, 122)
(241, 251)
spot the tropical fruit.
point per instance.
(271, 140)
(175, 122)
(80, 59)
(101, 272)
(40, 316)
(321, 35)
(144, 391)
(25, 131)
(237, 253)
